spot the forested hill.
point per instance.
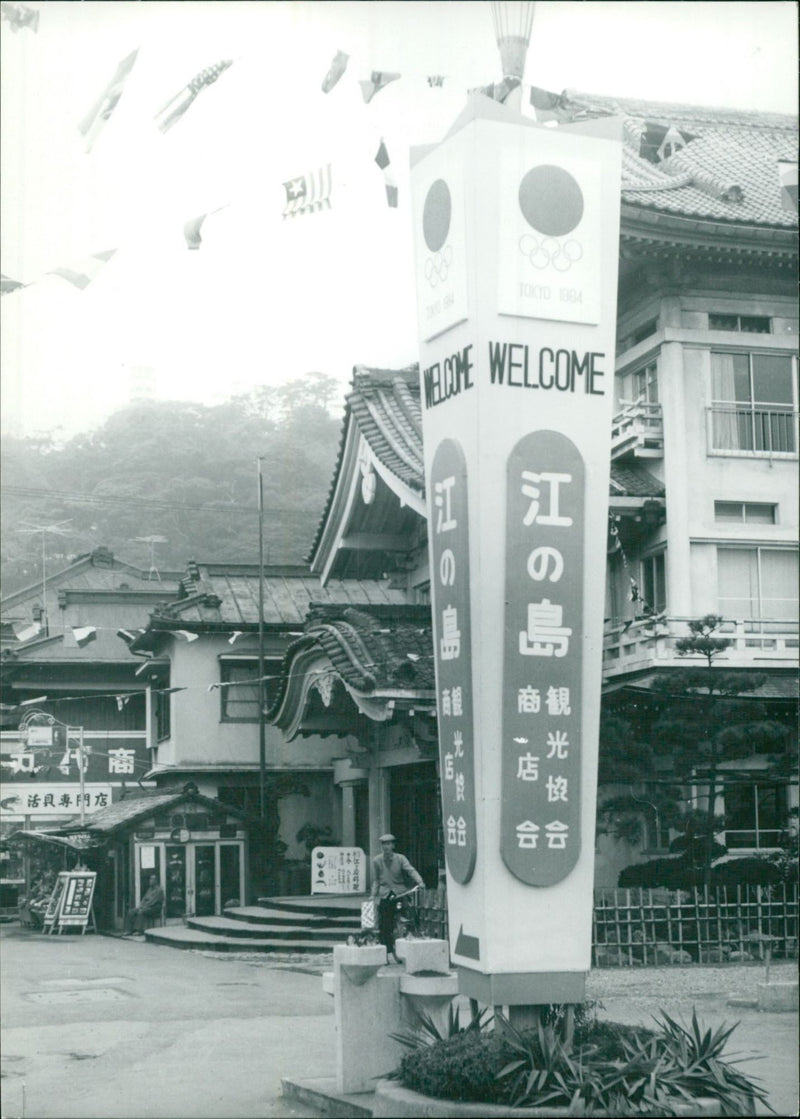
(178, 471)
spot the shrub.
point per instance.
(610, 1068)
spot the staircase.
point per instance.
(294, 924)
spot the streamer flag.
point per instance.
(337, 68)
(383, 161)
(174, 109)
(84, 635)
(191, 232)
(26, 632)
(787, 176)
(660, 141)
(81, 276)
(7, 285)
(19, 16)
(308, 193)
(107, 102)
(376, 82)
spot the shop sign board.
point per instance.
(32, 798)
(516, 401)
(70, 904)
(453, 636)
(338, 870)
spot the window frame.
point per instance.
(747, 423)
(272, 666)
(744, 505)
(739, 328)
(755, 789)
(758, 549)
(651, 562)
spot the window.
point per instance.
(744, 513)
(654, 582)
(755, 815)
(240, 688)
(163, 708)
(757, 584)
(752, 400)
(745, 324)
(640, 387)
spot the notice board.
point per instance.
(70, 904)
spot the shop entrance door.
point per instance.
(416, 817)
(199, 878)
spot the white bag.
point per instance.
(368, 915)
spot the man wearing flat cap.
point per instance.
(392, 874)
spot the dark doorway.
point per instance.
(416, 817)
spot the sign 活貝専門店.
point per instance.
(516, 232)
(32, 798)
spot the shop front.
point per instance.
(195, 846)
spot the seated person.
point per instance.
(148, 909)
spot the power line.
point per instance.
(91, 499)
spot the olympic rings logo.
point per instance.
(436, 266)
(548, 252)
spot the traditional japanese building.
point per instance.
(68, 670)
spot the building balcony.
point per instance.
(648, 643)
(751, 432)
(637, 431)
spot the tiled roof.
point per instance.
(141, 805)
(376, 648)
(386, 400)
(373, 649)
(632, 480)
(227, 594)
(727, 173)
(385, 405)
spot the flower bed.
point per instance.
(605, 1069)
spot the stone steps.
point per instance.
(180, 936)
(296, 924)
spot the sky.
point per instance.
(265, 299)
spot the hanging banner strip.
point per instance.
(541, 773)
(452, 642)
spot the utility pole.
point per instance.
(262, 742)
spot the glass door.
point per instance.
(205, 879)
(176, 881)
(230, 874)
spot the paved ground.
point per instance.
(121, 1029)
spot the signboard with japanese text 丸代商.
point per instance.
(338, 870)
(519, 392)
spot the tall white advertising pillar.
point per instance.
(516, 231)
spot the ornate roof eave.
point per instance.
(653, 230)
(346, 492)
(309, 668)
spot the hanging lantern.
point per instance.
(513, 20)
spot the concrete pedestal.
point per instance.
(366, 1011)
(778, 996)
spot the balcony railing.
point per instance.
(650, 643)
(740, 430)
(638, 429)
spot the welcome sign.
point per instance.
(516, 376)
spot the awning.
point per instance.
(74, 842)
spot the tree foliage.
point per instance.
(180, 471)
